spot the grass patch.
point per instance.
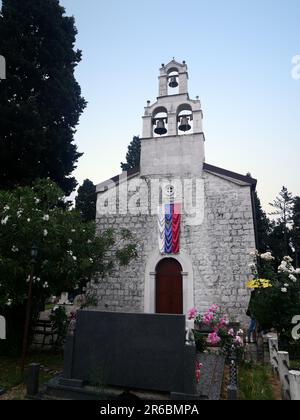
(10, 375)
(294, 364)
(255, 383)
(49, 306)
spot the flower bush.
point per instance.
(69, 251)
(215, 319)
(277, 293)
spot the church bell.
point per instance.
(184, 125)
(173, 82)
(160, 128)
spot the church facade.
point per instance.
(192, 222)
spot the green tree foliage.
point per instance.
(296, 230)
(133, 156)
(69, 252)
(276, 305)
(280, 237)
(86, 201)
(40, 101)
(263, 226)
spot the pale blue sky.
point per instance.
(239, 56)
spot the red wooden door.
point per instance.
(169, 293)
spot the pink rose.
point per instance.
(192, 313)
(213, 338)
(231, 332)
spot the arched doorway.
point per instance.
(169, 287)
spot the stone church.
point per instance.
(192, 222)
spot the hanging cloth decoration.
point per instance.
(169, 221)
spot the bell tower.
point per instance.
(173, 139)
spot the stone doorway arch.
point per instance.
(168, 287)
(150, 280)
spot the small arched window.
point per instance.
(173, 81)
(160, 122)
(185, 119)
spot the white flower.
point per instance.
(73, 230)
(9, 302)
(267, 256)
(240, 332)
(254, 253)
(37, 200)
(45, 285)
(45, 233)
(46, 218)
(91, 260)
(283, 267)
(286, 285)
(28, 220)
(297, 271)
(89, 241)
(284, 290)
(70, 253)
(6, 208)
(74, 258)
(252, 265)
(19, 213)
(288, 259)
(38, 280)
(70, 241)
(14, 249)
(293, 278)
(5, 220)
(28, 279)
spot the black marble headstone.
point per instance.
(138, 351)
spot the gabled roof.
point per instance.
(243, 180)
(230, 176)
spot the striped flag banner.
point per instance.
(169, 221)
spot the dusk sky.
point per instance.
(239, 55)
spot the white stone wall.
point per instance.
(159, 156)
(218, 248)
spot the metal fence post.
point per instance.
(232, 389)
(33, 380)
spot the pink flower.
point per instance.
(231, 332)
(213, 339)
(198, 371)
(223, 321)
(207, 319)
(192, 313)
(238, 341)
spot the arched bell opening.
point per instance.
(185, 119)
(160, 122)
(173, 81)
